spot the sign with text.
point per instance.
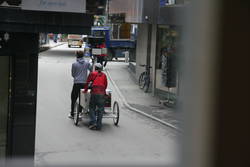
(10, 2)
(74, 6)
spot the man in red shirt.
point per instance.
(102, 57)
(97, 100)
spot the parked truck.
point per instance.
(117, 42)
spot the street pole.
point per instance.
(107, 13)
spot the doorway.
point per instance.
(4, 82)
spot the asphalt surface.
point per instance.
(137, 140)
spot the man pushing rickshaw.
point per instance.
(94, 98)
(99, 83)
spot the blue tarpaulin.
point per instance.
(163, 3)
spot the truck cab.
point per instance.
(116, 46)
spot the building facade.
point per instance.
(160, 24)
(19, 49)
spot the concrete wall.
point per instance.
(153, 57)
(136, 11)
(131, 8)
(172, 15)
(141, 51)
(141, 48)
(150, 11)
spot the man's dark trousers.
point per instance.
(75, 94)
(96, 101)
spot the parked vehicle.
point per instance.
(117, 46)
(75, 40)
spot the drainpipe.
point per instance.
(148, 61)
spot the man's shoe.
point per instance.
(92, 127)
(71, 116)
(98, 128)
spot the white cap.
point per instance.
(98, 65)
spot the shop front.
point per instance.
(166, 61)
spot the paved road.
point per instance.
(137, 139)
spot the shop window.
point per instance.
(166, 59)
(125, 30)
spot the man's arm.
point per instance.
(73, 71)
(88, 81)
(105, 82)
(89, 67)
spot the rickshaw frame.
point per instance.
(112, 111)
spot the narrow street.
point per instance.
(172, 68)
(136, 140)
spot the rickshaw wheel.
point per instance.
(116, 112)
(76, 113)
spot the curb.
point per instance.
(124, 101)
(43, 49)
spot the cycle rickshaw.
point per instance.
(111, 111)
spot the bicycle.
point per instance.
(144, 79)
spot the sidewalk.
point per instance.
(136, 100)
(51, 44)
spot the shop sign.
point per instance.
(11, 3)
(75, 6)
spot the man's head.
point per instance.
(79, 54)
(98, 67)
